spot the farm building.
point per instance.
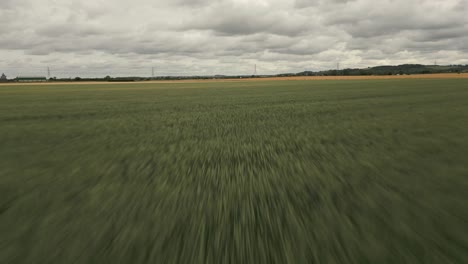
(31, 79)
(3, 78)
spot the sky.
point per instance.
(95, 38)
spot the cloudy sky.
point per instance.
(188, 37)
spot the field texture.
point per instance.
(350, 171)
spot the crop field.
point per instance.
(326, 171)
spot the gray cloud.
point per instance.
(97, 37)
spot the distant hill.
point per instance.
(390, 70)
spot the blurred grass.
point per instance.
(249, 172)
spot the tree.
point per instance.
(3, 78)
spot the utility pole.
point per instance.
(255, 70)
(152, 72)
(48, 72)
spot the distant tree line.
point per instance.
(405, 69)
(139, 79)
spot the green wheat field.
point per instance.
(357, 171)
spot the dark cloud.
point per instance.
(314, 3)
(231, 18)
(229, 36)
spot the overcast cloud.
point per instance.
(188, 37)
